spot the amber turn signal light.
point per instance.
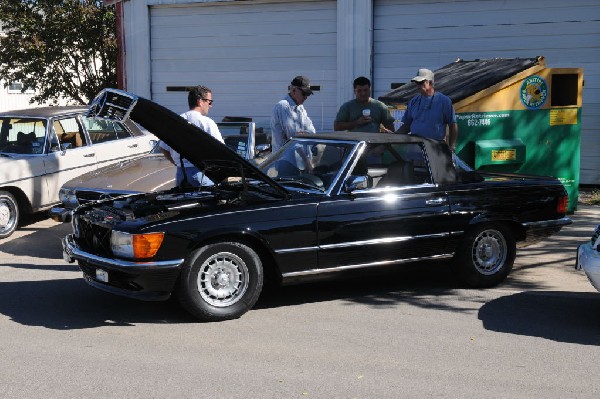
(146, 245)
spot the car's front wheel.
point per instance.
(9, 214)
(486, 255)
(220, 281)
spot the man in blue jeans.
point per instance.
(200, 101)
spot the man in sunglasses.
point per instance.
(200, 101)
(289, 116)
(429, 112)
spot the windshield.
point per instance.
(22, 135)
(308, 164)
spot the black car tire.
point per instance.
(485, 256)
(9, 214)
(220, 281)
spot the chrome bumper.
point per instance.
(71, 253)
(548, 224)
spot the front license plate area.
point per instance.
(102, 275)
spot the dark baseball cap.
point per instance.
(303, 84)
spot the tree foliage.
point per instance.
(61, 48)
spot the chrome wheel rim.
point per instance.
(223, 279)
(489, 252)
(7, 215)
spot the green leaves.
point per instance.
(61, 48)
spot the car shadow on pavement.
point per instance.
(407, 284)
(555, 315)
(70, 304)
(40, 243)
(66, 304)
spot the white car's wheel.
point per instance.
(9, 214)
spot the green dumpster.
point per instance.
(514, 115)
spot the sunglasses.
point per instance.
(301, 92)
(210, 102)
(421, 83)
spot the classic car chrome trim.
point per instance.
(362, 265)
(71, 252)
(301, 249)
(386, 240)
(548, 223)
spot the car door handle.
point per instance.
(132, 146)
(436, 201)
(89, 155)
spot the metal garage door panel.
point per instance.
(412, 34)
(247, 54)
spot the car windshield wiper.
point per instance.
(298, 181)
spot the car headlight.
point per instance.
(68, 197)
(135, 246)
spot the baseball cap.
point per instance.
(303, 84)
(423, 74)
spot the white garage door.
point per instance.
(412, 34)
(247, 53)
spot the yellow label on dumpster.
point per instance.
(504, 155)
(563, 116)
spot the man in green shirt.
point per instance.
(364, 114)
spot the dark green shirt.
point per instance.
(352, 110)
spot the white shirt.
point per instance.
(204, 123)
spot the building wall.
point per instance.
(386, 40)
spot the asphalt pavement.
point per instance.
(413, 332)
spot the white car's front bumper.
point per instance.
(588, 259)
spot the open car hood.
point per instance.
(216, 160)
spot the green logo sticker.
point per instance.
(534, 92)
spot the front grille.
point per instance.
(94, 238)
(95, 227)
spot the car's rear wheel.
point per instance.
(486, 255)
(220, 281)
(9, 214)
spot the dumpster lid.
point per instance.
(462, 79)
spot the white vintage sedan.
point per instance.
(588, 258)
(42, 148)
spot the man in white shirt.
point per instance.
(200, 101)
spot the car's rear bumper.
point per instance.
(149, 281)
(588, 259)
(538, 231)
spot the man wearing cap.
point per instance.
(289, 116)
(428, 113)
(364, 114)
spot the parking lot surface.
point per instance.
(410, 332)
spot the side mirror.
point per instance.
(356, 183)
(65, 146)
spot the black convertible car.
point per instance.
(323, 204)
